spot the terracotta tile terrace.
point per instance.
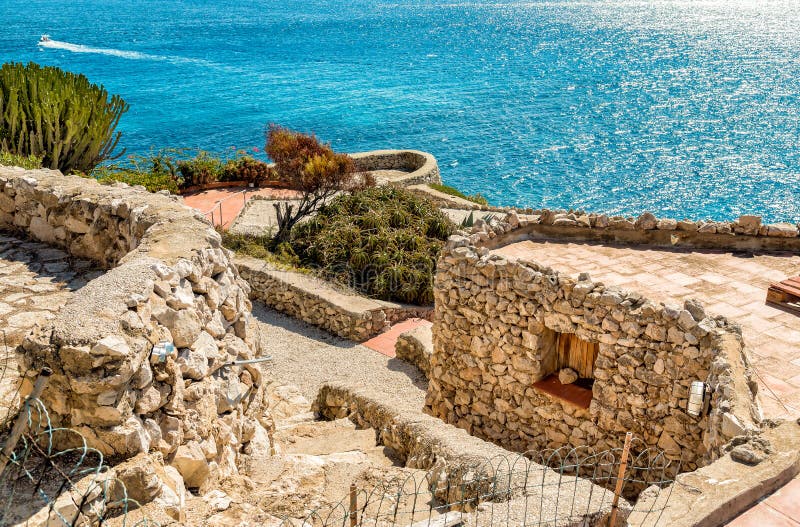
(233, 200)
(733, 285)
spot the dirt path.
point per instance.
(307, 357)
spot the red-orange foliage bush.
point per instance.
(311, 167)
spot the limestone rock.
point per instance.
(749, 224)
(646, 222)
(193, 363)
(782, 230)
(191, 463)
(183, 325)
(567, 376)
(747, 454)
(143, 478)
(112, 346)
(695, 308)
(285, 401)
(667, 224)
(217, 500)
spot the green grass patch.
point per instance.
(152, 181)
(30, 162)
(452, 191)
(282, 257)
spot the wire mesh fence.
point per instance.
(41, 484)
(563, 487)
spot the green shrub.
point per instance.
(30, 162)
(452, 191)
(312, 168)
(246, 168)
(60, 116)
(175, 169)
(155, 172)
(383, 241)
(258, 247)
(201, 169)
(152, 181)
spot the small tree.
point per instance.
(311, 167)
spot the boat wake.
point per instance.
(132, 55)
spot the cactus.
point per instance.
(59, 116)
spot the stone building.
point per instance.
(533, 359)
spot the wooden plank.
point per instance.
(451, 519)
(568, 393)
(577, 354)
(794, 291)
(785, 295)
(794, 308)
(776, 296)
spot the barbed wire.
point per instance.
(565, 486)
(44, 483)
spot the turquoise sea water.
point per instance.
(684, 108)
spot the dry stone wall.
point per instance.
(317, 302)
(415, 346)
(168, 279)
(462, 467)
(494, 325)
(747, 233)
(420, 166)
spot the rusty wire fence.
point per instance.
(42, 482)
(565, 487)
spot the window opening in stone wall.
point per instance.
(578, 355)
(562, 351)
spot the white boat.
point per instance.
(44, 38)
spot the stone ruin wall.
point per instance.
(493, 330)
(421, 166)
(168, 278)
(746, 233)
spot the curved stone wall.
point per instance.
(495, 325)
(168, 279)
(421, 167)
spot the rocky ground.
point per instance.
(35, 281)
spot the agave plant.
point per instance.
(60, 116)
(385, 241)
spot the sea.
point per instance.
(685, 108)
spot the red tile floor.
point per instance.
(385, 342)
(226, 203)
(781, 509)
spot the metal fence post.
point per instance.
(623, 464)
(22, 418)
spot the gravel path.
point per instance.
(308, 357)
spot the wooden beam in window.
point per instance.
(577, 354)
